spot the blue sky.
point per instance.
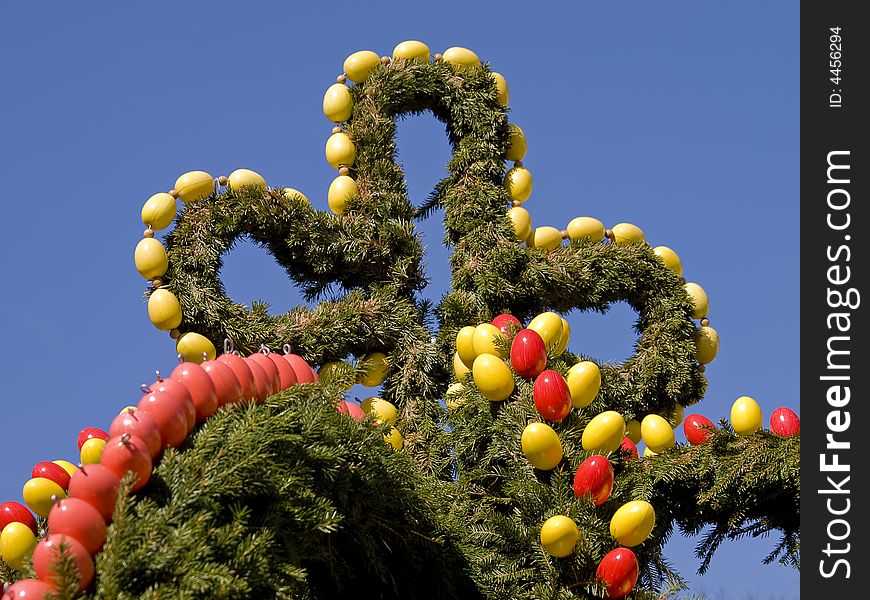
(680, 117)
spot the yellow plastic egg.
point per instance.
(377, 369)
(700, 302)
(586, 228)
(460, 369)
(164, 310)
(335, 370)
(745, 416)
(127, 409)
(492, 377)
(461, 56)
(194, 185)
(633, 522)
(244, 178)
(706, 344)
(359, 65)
(337, 103)
(383, 411)
(530, 240)
(670, 258)
(517, 148)
(465, 344)
(563, 340)
(291, 193)
(547, 238)
(394, 439)
(542, 446)
(503, 94)
(647, 452)
(158, 211)
(150, 258)
(584, 382)
(632, 430)
(559, 535)
(17, 542)
(522, 221)
(657, 433)
(485, 338)
(604, 432)
(549, 326)
(452, 398)
(38, 492)
(411, 50)
(92, 451)
(342, 189)
(192, 346)
(626, 233)
(340, 150)
(66, 466)
(518, 183)
(676, 417)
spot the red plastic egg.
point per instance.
(79, 519)
(303, 371)
(785, 422)
(198, 383)
(47, 555)
(128, 454)
(698, 429)
(170, 415)
(273, 377)
(594, 477)
(315, 378)
(628, 446)
(528, 353)
(507, 323)
(224, 381)
(286, 373)
(28, 589)
(242, 372)
(262, 383)
(552, 396)
(15, 512)
(91, 432)
(51, 471)
(98, 486)
(353, 409)
(618, 570)
(140, 424)
(178, 390)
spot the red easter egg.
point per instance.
(15, 512)
(98, 486)
(303, 371)
(286, 373)
(242, 372)
(618, 570)
(91, 432)
(552, 396)
(224, 381)
(784, 422)
(47, 555)
(178, 390)
(198, 383)
(273, 377)
(28, 589)
(528, 354)
(79, 519)
(52, 471)
(128, 454)
(315, 378)
(628, 446)
(695, 428)
(141, 425)
(262, 383)
(507, 323)
(353, 409)
(595, 477)
(170, 415)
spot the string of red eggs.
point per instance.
(78, 502)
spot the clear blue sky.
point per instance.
(681, 117)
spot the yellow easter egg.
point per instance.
(150, 258)
(291, 193)
(484, 340)
(340, 150)
(670, 258)
(700, 302)
(633, 522)
(342, 189)
(452, 399)
(92, 451)
(626, 233)
(394, 439)
(411, 50)
(584, 382)
(335, 370)
(377, 369)
(604, 432)
(542, 446)
(503, 94)
(246, 178)
(194, 185)
(465, 344)
(164, 310)
(158, 211)
(647, 452)
(66, 466)
(549, 326)
(559, 535)
(547, 238)
(522, 222)
(632, 430)
(461, 56)
(677, 416)
(383, 411)
(518, 183)
(17, 542)
(38, 492)
(359, 65)
(517, 147)
(192, 346)
(492, 377)
(657, 433)
(127, 409)
(337, 103)
(745, 416)
(563, 340)
(460, 369)
(586, 228)
(706, 344)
